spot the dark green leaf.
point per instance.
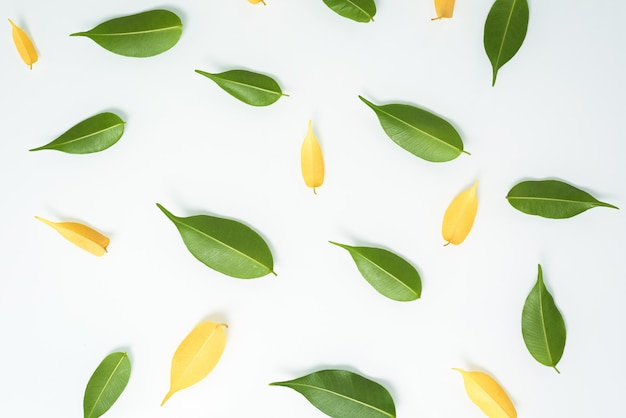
(140, 35)
(252, 88)
(420, 132)
(106, 384)
(343, 394)
(94, 134)
(551, 199)
(227, 246)
(357, 10)
(388, 273)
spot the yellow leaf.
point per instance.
(459, 217)
(196, 356)
(24, 45)
(311, 160)
(257, 2)
(444, 8)
(81, 235)
(488, 395)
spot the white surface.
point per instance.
(556, 112)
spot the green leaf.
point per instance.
(343, 394)
(505, 30)
(227, 246)
(106, 384)
(551, 199)
(140, 35)
(94, 134)
(252, 88)
(357, 10)
(420, 132)
(543, 327)
(388, 273)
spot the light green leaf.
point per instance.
(505, 30)
(543, 327)
(343, 394)
(252, 88)
(140, 35)
(551, 199)
(94, 134)
(357, 10)
(420, 132)
(388, 273)
(106, 384)
(227, 246)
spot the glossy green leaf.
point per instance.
(551, 199)
(543, 327)
(94, 134)
(357, 10)
(343, 394)
(227, 246)
(388, 273)
(252, 88)
(106, 384)
(140, 35)
(420, 132)
(505, 30)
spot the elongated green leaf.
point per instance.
(94, 134)
(505, 30)
(252, 88)
(227, 246)
(140, 35)
(388, 273)
(357, 10)
(543, 327)
(551, 199)
(106, 384)
(420, 132)
(343, 394)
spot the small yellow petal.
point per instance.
(459, 217)
(488, 395)
(80, 235)
(311, 159)
(444, 9)
(24, 45)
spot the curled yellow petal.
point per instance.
(196, 356)
(81, 235)
(311, 160)
(444, 9)
(459, 217)
(24, 45)
(488, 395)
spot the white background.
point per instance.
(556, 112)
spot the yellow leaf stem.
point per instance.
(24, 45)
(459, 217)
(444, 9)
(80, 235)
(311, 160)
(488, 395)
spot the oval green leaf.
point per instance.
(357, 10)
(140, 35)
(551, 199)
(343, 394)
(252, 88)
(543, 327)
(106, 384)
(387, 272)
(227, 246)
(94, 134)
(420, 132)
(505, 30)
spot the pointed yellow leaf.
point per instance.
(196, 356)
(444, 9)
(24, 45)
(311, 160)
(488, 395)
(81, 235)
(459, 217)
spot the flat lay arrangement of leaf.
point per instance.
(24, 45)
(227, 246)
(444, 9)
(196, 356)
(94, 134)
(505, 30)
(106, 384)
(552, 199)
(140, 35)
(252, 88)
(311, 160)
(459, 217)
(343, 394)
(543, 327)
(420, 132)
(80, 235)
(387, 272)
(488, 395)
(357, 10)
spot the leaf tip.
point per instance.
(169, 394)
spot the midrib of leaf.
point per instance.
(492, 398)
(506, 31)
(389, 274)
(89, 135)
(206, 341)
(106, 385)
(552, 199)
(543, 326)
(251, 86)
(356, 6)
(128, 33)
